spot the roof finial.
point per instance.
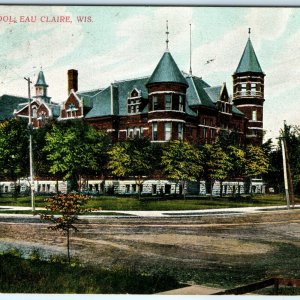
(167, 40)
(190, 49)
(249, 32)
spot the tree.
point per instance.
(14, 153)
(134, 158)
(76, 150)
(40, 162)
(237, 159)
(256, 164)
(68, 207)
(181, 162)
(216, 165)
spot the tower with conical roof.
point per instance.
(41, 88)
(248, 92)
(167, 99)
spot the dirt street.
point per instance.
(214, 250)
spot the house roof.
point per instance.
(41, 79)
(249, 61)
(196, 93)
(8, 104)
(121, 91)
(167, 71)
(236, 111)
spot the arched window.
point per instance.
(34, 112)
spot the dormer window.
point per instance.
(134, 102)
(71, 111)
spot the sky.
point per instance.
(127, 42)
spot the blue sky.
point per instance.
(127, 42)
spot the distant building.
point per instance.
(42, 109)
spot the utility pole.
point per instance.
(30, 146)
(286, 186)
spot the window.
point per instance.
(127, 189)
(168, 103)
(204, 133)
(154, 103)
(243, 88)
(141, 131)
(253, 88)
(34, 112)
(154, 131)
(167, 189)
(180, 131)
(133, 106)
(254, 115)
(134, 188)
(168, 131)
(154, 189)
(181, 107)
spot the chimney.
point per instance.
(72, 80)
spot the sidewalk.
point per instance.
(169, 213)
(200, 212)
(192, 290)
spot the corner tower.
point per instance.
(248, 93)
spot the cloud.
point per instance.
(268, 23)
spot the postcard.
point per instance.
(149, 150)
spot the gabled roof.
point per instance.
(41, 79)
(249, 61)
(167, 71)
(8, 104)
(196, 93)
(214, 93)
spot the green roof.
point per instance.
(41, 79)
(249, 61)
(167, 71)
(8, 104)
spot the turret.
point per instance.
(248, 93)
(41, 88)
(167, 96)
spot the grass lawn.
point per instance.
(19, 275)
(151, 203)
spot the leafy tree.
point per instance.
(40, 162)
(181, 162)
(237, 159)
(291, 134)
(14, 153)
(256, 164)
(76, 150)
(134, 157)
(217, 165)
(274, 175)
(68, 207)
